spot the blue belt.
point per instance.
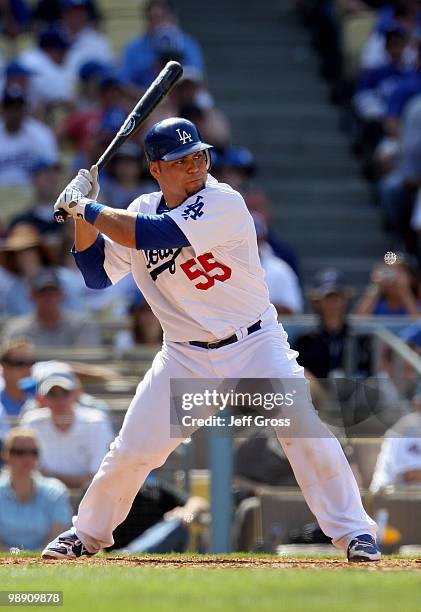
(219, 343)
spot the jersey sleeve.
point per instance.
(117, 260)
(213, 218)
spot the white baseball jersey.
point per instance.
(214, 287)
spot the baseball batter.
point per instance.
(192, 250)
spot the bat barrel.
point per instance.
(158, 89)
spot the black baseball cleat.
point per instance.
(363, 548)
(65, 546)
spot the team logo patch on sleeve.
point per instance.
(194, 211)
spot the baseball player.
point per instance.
(192, 250)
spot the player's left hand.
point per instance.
(72, 201)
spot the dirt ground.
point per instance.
(233, 562)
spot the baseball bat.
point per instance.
(160, 87)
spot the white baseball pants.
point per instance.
(144, 442)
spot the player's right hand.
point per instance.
(86, 182)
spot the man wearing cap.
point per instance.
(192, 250)
(50, 324)
(322, 350)
(23, 139)
(73, 439)
(17, 74)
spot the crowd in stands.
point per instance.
(63, 97)
(370, 51)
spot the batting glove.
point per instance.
(72, 201)
(86, 182)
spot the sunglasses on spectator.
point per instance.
(18, 363)
(24, 452)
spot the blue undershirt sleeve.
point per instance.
(158, 232)
(91, 263)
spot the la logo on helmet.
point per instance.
(184, 136)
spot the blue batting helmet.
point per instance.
(173, 138)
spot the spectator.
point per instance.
(51, 83)
(87, 43)
(50, 324)
(127, 176)
(191, 89)
(374, 88)
(258, 201)
(23, 139)
(17, 74)
(46, 178)
(42, 369)
(399, 460)
(407, 88)
(391, 291)
(273, 467)
(141, 57)
(73, 439)
(235, 166)
(159, 520)
(404, 16)
(194, 102)
(16, 360)
(23, 255)
(282, 282)
(14, 17)
(322, 351)
(33, 509)
(92, 127)
(144, 326)
(46, 12)
(82, 122)
(399, 188)
(412, 336)
(375, 85)
(408, 376)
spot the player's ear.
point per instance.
(154, 169)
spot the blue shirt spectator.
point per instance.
(27, 525)
(32, 508)
(386, 18)
(407, 88)
(16, 360)
(163, 40)
(375, 87)
(12, 407)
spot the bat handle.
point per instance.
(60, 215)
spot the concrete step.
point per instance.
(329, 223)
(323, 245)
(240, 34)
(317, 193)
(329, 216)
(271, 90)
(262, 52)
